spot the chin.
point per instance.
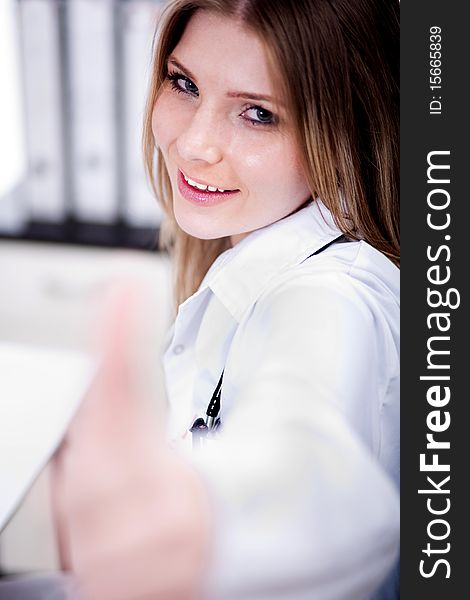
(198, 227)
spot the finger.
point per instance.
(60, 519)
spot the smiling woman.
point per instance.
(215, 135)
(305, 93)
(276, 128)
(275, 124)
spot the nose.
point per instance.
(201, 139)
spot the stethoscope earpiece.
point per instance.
(200, 428)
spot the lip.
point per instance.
(200, 197)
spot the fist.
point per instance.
(133, 519)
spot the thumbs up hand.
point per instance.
(132, 518)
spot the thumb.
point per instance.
(119, 324)
(121, 389)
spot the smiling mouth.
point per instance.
(203, 194)
(205, 187)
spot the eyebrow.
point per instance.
(245, 95)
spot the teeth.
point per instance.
(199, 186)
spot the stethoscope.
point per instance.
(202, 429)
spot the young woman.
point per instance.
(275, 125)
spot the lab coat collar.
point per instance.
(238, 276)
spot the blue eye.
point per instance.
(182, 84)
(260, 116)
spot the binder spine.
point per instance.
(85, 67)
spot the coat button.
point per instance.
(178, 349)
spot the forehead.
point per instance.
(222, 50)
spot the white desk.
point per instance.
(46, 296)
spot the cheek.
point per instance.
(164, 123)
(272, 165)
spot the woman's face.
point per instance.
(217, 124)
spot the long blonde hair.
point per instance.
(337, 62)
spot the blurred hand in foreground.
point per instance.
(132, 518)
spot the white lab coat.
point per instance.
(304, 472)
